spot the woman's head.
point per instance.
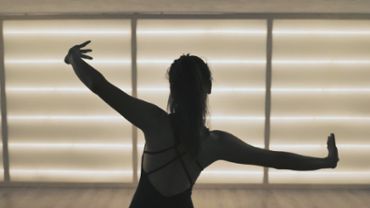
(189, 70)
(190, 82)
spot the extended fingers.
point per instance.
(76, 50)
(84, 44)
(331, 139)
(86, 56)
(85, 50)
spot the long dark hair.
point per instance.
(188, 77)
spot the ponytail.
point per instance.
(187, 100)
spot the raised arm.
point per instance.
(144, 115)
(233, 149)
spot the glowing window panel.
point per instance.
(320, 84)
(60, 131)
(235, 51)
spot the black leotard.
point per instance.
(146, 195)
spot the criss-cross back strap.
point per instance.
(167, 163)
(178, 155)
(184, 167)
(160, 151)
(181, 160)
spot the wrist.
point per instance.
(71, 55)
(72, 58)
(66, 59)
(329, 162)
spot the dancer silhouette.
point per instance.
(178, 146)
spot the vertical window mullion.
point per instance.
(4, 123)
(134, 94)
(268, 92)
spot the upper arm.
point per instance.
(233, 149)
(140, 113)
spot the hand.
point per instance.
(332, 157)
(77, 51)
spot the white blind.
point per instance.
(321, 84)
(235, 53)
(58, 129)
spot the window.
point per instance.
(320, 84)
(59, 131)
(235, 53)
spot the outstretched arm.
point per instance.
(231, 148)
(142, 114)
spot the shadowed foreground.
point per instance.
(202, 198)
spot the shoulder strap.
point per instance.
(159, 151)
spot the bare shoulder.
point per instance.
(160, 120)
(224, 139)
(215, 143)
(220, 136)
(160, 134)
(229, 147)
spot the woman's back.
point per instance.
(168, 172)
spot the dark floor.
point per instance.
(202, 198)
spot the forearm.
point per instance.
(230, 148)
(287, 160)
(86, 73)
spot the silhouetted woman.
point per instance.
(177, 144)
